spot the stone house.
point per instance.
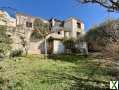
(24, 28)
(70, 28)
(59, 30)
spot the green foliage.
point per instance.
(16, 53)
(61, 73)
(5, 41)
(69, 43)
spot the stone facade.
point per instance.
(70, 28)
(6, 19)
(59, 47)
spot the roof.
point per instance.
(74, 18)
(19, 13)
(55, 19)
(22, 14)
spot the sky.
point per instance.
(89, 14)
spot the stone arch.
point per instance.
(35, 36)
(33, 45)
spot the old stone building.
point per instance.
(59, 30)
(69, 28)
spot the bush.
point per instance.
(100, 36)
(5, 41)
(112, 51)
(1, 55)
(104, 38)
(16, 53)
(69, 45)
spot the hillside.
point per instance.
(59, 73)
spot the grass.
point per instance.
(57, 73)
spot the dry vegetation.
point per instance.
(105, 38)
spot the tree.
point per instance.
(105, 33)
(69, 44)
(110, 5)
(43, 29)
(5, 41)
(104, 38)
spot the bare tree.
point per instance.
(110, 5)
(43, 29)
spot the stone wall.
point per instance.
(58, 47)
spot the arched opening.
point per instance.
(35, 36)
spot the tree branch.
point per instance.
(111, 5)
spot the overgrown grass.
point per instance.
(58, 73)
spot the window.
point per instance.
(59, 32)
(9, 35)
(78, 34)
(78, 25)
(28, 24)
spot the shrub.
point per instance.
(16, 53)
(1, 56)
(105, 38)
(69, 45)
(112, 51)
(101, 36)
(5, 41)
